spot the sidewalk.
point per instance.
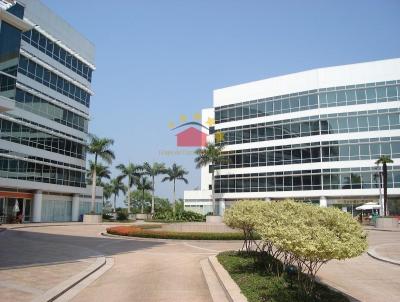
(27, 283)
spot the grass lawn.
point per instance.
(259, 286)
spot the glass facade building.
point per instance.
(46, 71)
(313, 135)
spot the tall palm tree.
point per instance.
(153, 171)
(211, 155)
(384, 160)
(176, 173)
(100, 148)
(144, 185)
(116, 187)
(102, 171)
(132, 172)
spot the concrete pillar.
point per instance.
(221, 207)
(75, 207)
(37, 206)
(267, 199)
(323, 203)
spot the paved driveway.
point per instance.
(153, 270)
(144, 270)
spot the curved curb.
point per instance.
(60, 289)
(232, 290)
(374, 254)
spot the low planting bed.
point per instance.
(155, 231)
(257, 284)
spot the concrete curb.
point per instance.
(57, 291)
(232, 290)
(381, 230)
(372, 252)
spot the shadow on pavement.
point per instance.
(24, 248)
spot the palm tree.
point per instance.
(384, 160)
(153, 171)
(144, 185)
(176, 173)
(102, 171)
(116, 187)
(132, 172)
(100, 148)
(211, 155)
(107, 191)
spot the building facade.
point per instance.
(312, 136)
(45, 76)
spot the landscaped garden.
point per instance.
(259, 284)
(155, 231)
(296, 240)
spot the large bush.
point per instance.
(300, 234)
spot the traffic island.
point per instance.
(155, 231)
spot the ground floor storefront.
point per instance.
(200, 201)
(39, 206)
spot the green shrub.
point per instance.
(122, 215)
(299, 234)
(186, 216)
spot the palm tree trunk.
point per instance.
(115, 202)
(174, 199)
(129, 196)
(385, 201)
(152, 199)
(142, 201)
(213, 190)
(94, 185)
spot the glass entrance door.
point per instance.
(27, 209)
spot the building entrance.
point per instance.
(15, 210)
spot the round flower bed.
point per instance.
(148, 231)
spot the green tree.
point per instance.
(132, 172)
(144, 185)
(102, 171)
(100, 148)
(138, 200)
(384, 160)
(116, 186)
(175, 173)
(211, 155)
(153, 171)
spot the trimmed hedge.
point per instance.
(146, 232)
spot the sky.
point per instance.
(158, 60)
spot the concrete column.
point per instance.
(75, 207)
(323, 203)
(221, 207)
(267, 199)
(37, 206)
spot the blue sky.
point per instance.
(157, 60)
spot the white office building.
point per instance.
(312, 136)
(45, 88)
